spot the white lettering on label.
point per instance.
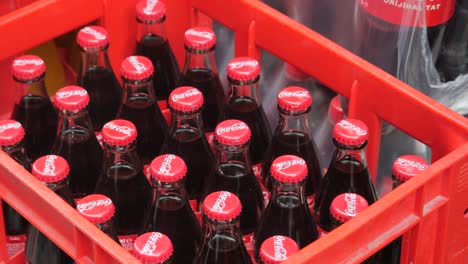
(410, 163)
(90, 205)
(240, 64)
(293, 94)
(186, 94)
(286, 164)
(49, 165)
(149, 6)
(122, 129)
(220, 203)
(14, 125)
(21, 62)
(166, 164)
(350, 199)
(138, 65)
(150, 244)
(96, 34)
(66, 94)
(233, 127)
(359, 131)
(203, 34)
(280, 251)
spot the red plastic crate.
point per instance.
(430, 210)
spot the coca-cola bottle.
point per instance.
(243, 103)
(346, 206)
(99, 210)
(51, 170)
(141, 108)
(453, 58)
(33, 108)
(152, 43)
(293, 136)
(97, 77)
(76, 141)
(200, 72)
(222, 241)
(123, 181)
(233, 173)
(11, 141)
(277, 249)
(171, 213)
(153, 248)
(404, 169)
(347, 173)
(287, 213)
(187, 139)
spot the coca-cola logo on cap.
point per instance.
(49, 165)
(12, 125)
(293, 94)
(121, 129)
(288, 163)
(202, 34)
(242, 63)
(186, 94)
(350, 199)
(411, 164)
(150, 4)
(96, 34)
(166, 165)
(138, 65)
(278, 245)
(352, 127)
(220, 202)
(22, 62)
(92, 204)
(67, 94)
(232, 128)
(150, 245)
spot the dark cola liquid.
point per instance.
(234, 177)
(224, 249)
(213, 94)
(286, 216)
(174, 217)
(194, 150)
(39, 249)
(344, 176)
(39, 119)
(166, 70)
(105, 95)
(143, 112)
(131, 194)
(85, 157)
(248, 111)
(299, 144)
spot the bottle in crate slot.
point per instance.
(233, 173)
(33, 108)
(171, 213)
(222, 240)
(347, 173)
(123, 181)
(287, 213)
(16, 227)
(404, 169)
(200, 72)
(187, 139)
(51, 170)
(97, 77)
(277, 249)
(152, 43)
(244, 103)
(76, 141)
(153, 248)
(140, 106)
(293, 136)
(99, 210)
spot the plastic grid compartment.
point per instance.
(431, 210)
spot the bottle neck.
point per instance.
(186, 121)
(18, 153)
(149, 28)
(200, 60)
(122, 156)
(62, 189)
(296, 190)
(138, 90)
(32, 87)
(250, 90)
(396, 182)
(108, 228)
(94, 58)
(354, 154)
(230, 230)
(233, 154)
(294, 121)
(171, 189)
(76, 121)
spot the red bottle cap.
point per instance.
(92, 37)
(289, 169)
(200, 38)
(153, 247)
(232, 132)
(71, 98)
(97, 208)
(136, 68)
(119, 132)
(295, 99)
(168, 168)
(243, 69)
(11, 132)
(186, 99)
(408, 166)
(346, 206)
(50, 168)
(150, 10)
(28, 67)
(222, 206)
(335, 111)
(350, 132)
(277, 249)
